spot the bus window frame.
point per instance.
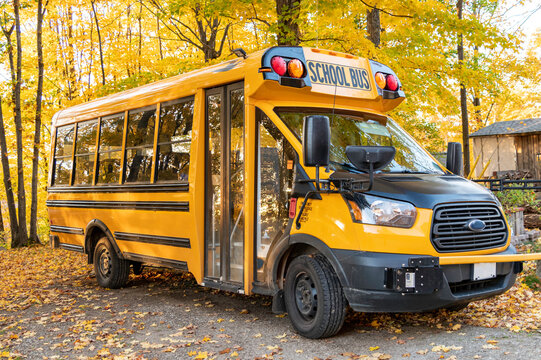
(121, 185)
(53, 172)
(157, 143)
(123, 176)
(75, 155)
(97, 184)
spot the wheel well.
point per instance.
(94, 234)
(291, 253)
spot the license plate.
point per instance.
(484, 271)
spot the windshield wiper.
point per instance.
(347, 166)
(407, 171)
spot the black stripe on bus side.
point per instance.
(132, 205)
(181, 265)
(120, 188)
(67, 230)
(71, 247)
(154, 239)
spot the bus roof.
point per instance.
(326, 72)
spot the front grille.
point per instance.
(468, 286)
(450, 234)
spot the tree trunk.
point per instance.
(159, 36)
(373, 26)
(72, 81)
(477, 112)
(2, 232)
(91, 57)
(463, 99)
(37, 129)
(22, 239)
(208, 44)
(99, 43)
(128, 37)
(13, 223)
(288, 12)
(140, 45)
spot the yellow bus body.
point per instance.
(170, 217)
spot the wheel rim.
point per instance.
(306, 296)
(105, 263)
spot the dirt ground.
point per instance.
(166, 315)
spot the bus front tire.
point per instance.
(313, 297)
(111, 271)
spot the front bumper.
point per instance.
(380, 282)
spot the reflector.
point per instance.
(295, 68)
(279, 65)
(380, 80)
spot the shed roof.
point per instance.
(510, 127)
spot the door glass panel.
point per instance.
(236, 187)
(214, 109)
(275, 182)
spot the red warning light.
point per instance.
(279, 65)
(392, 82)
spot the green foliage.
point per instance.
(532, 281)
(517, 198)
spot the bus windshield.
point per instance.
(355, 128)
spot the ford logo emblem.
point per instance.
(476, 225)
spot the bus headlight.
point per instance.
(374, 210)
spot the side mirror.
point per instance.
(370, 158)
(316, 140)
(454, 158)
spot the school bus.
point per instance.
(277, 173)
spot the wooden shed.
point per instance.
(509, 145)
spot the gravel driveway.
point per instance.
(164, 315)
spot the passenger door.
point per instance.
(224, 208)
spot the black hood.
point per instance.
(422, 190)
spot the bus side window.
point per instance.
(174, 137)
(275, 182)
(62, 155)
(110, 149)
(85, 148)
(140, 144)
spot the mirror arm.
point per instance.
(317, 178)
(371, 174)
(306, 197)
(345, 186)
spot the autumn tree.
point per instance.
(20, 238)
(203, 25)
(463, 98)
(8, 187)
(37, 125)
(288, 17)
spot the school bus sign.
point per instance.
(338, 75)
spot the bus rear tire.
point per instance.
(314, 298)
(111, 271)
(137, 267)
